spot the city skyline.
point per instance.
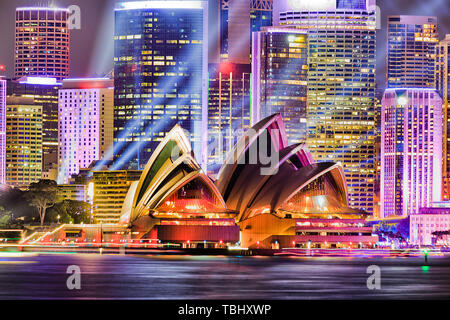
(97, 47)
(224, 149)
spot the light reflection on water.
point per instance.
(201, 277)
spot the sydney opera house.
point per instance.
(289, 201)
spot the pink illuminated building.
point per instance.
(2, 130)
(85, 124)
(411, 150)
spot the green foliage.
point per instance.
(70, 211)
(42, 195)
(5, 217)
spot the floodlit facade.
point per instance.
(44, 91)
(23, 142)
(411, 150)
(442, 86)
(42, 42)
(160, 77)
(279, 78)
(3, 84)
(76, 192)
(110, 190)
(411, 51)
(228, 109)
(428, 220)
(85, 124)
(175, 202)
(341, 86)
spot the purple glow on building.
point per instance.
(411, 150)
(85, 124)
(2, 131)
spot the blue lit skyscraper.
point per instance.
(160, 77)
(228, 109)
(279, 78)
(411, 51)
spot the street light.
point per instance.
(58, 218)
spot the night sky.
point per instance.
(92, 46)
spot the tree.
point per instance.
(70, 211)
(437, 235)
(42, 195)
(5, 217)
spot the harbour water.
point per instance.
(44, 276)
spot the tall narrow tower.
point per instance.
(2, 130)
(411, 51)
(160, 77)
(341, 85)
(42, 42)
(442, 81)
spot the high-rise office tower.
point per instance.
(160, 77)
(237, 20)
(411, 150)
(85, 124)
(442, 86)
(42, 42)
(228, 109)
(110, 191)
(2, 130)
(341, 86)
(44, 91)
(411, 51)
(23, 141)
(279, 78)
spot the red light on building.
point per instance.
(226, 67)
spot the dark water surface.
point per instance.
(191, 277)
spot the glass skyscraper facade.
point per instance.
(228, 109)
(279, 78)
(160, 77)
(341, 86)
(442, 86)
(23, 141)
(411, 51)
(44, 91)
(411, 149)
